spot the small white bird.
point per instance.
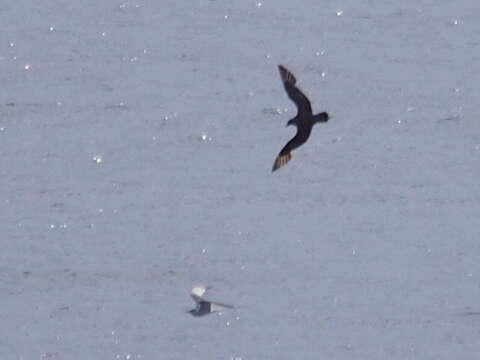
(204, 306)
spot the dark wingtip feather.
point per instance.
(281, 160)
(286, 75)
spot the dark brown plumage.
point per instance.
(304, 120)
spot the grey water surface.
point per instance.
(136, 143)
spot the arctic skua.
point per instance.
(304, 120)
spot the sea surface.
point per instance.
(136, 146)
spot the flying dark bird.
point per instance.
(205, 307)
(304, 120)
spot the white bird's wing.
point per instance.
(218, 306)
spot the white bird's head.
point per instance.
(199, 290)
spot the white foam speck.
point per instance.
(205, 137)
(339, 12)
(27, 67)
(259, 4)
(97, 159)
